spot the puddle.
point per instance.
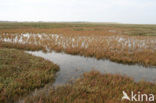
(73, 66)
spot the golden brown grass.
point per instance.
(116, 47)
(94, 87)
(118, 42)
(21, 73)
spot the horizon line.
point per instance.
(100, 22)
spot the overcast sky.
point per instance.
(122, 11)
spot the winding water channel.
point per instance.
(73, 66)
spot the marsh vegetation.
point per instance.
(116, 47)
(81, 64)
(94, 87)
(22, 73)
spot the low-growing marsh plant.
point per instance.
(119, 48)
(95, 87)
(122, 43)
(21, 73)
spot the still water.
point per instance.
(73, 66)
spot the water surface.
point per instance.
(73, 66)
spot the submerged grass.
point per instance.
(118, 48)
(21, 73)
(94, 87)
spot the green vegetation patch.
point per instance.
(21, 25)
(21, 73)
(95, 88)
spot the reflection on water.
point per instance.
(132, 43)
(72, 66)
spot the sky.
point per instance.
(120, 11)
